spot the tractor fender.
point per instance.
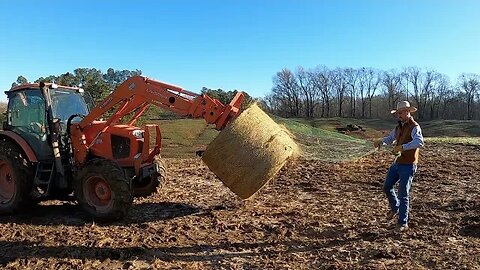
(21, 142)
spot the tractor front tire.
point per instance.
(149, 186)
(15, 178)
(103, 190)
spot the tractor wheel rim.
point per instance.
(97, 192)
(7, 181)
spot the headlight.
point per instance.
(138, 134)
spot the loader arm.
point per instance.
(90, 136)
(138, 92)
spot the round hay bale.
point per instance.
(249, 152)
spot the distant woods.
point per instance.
(226, 96)
(372, 93)
(100, 85)
(324, 92)
(92, 80)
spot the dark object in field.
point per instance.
(350, 127)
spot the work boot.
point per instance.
(401, 227)
(391, 214)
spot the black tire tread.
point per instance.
(119, 183)
(10, 151)
(153, 185)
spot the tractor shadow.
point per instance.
(70, 214)
(470, 226)
(330, 239)
(11, 251)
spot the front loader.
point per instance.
(56, 145)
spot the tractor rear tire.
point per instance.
(103, 190)
(149, 186)
(15, 178)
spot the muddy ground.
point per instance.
(314, 215)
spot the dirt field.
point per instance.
(314, 215)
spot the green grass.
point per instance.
(182, 137)
(331, 123)
(454, 140)
(323, 144)
(317, 138)
(181, 131)
(451, 128)
(307, 129)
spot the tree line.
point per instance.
(100, 85)
(92, 80)
(226, 96)
(323, 91)
(372, 93)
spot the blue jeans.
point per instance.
(404, 173)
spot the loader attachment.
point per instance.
(231, 111)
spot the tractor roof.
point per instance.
(37, 85)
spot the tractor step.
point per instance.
(44, 175)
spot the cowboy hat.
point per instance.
(404, 105)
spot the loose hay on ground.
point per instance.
(249, 152)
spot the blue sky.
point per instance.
(234, 44)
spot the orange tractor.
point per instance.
(55, 144)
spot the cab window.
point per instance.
(27, 110)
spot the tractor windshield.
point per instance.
(66, 103)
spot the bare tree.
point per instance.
(272, 103)
(352, 79)
(414, 77)
(307, 87)
(315, 91)
(430, 78)
(367, 92)
(438, 84)
(286, 90)
(422, 84)
(443, 95)
(340, 86)
(391, 80)
(321, 79)
(470, 84)
(369, 80)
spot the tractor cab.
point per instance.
(27, 117)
